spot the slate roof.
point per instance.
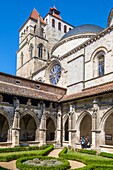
(83, 29)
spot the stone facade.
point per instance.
(68, 93)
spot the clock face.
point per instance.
(55, 74)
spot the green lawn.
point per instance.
(21, 152)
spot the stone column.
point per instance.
(42, 129)
(59, 125)
(9, 136)
(95, 131)
(16, 128)
(70, 125)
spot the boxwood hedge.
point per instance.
(21, 166)
(14, 156)
(22, 148)
(92, 162)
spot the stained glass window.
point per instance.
(55, 74)
(101, 65)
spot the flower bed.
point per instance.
(42, 163)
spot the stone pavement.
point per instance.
(12, 164)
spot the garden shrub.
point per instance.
(92, 152)
(1, 168)
(92, 162)
(22, 148)
(105, 154)
(21, 166)
(13, 156)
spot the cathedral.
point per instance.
(63, 88)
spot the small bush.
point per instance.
(22, 166)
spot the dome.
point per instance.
(82, 29)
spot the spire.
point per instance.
(35, 15)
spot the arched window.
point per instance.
(98, 62)
(22, 55)
(69, 29)
(31, 51)
(40, 50)
(101, 65)
(65, 28)
(59, 26)
(53, 23)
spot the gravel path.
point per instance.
(9, 165)
(73, 164)
(12, 164)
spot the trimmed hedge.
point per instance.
(14, 156)
(91, 152)
(92, 162)
(22, 148)
(96, 167)
(107, 155)
(21, 166)
(1, 168)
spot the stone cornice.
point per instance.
(61, 42)
(38, 71)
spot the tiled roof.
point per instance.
(108, 87)
(8, 88)
(57, 16)
(54, 12)
(35, 15)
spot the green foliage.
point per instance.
(13, 156)
(92, 152)
(93, 162)
(1, 168)
(22, 148)
(22, 166)
(108, 155)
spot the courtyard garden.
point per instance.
(36, 158)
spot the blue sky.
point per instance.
(15, 12)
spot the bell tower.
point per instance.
(33, 46)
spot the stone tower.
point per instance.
(33, 51)
(37, 36)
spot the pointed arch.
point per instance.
(65, 117)
(106, 126)
(84, 123)
(104, 118)
(28, 126)
(81, 116)
(5, 125)
(53, 118)
(66, 127)
(32, 114)
(51, 129)
(7, 116)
